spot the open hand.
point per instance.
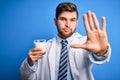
(96, 39)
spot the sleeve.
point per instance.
(27, 72)
(100, 59)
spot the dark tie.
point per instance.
(63, 65)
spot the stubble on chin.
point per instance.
(64, 35)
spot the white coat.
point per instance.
(80, 63)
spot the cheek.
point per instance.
(73, 27)
(60, 25)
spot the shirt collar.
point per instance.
(69, 39)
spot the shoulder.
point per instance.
(51, 40)
(50, 43)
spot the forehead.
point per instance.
(67, 14)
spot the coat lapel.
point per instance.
(73, 64)
(51, 57)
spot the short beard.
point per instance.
(61, 34)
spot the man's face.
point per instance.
(66, 24)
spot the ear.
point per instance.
(77, 23)
(55, 21)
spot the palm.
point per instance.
(96, 38)
(96, 41)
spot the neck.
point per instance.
(61, 36)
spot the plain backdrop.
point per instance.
(22, 21)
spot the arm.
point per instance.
(27, 72)
(100, 59)
(29, 66)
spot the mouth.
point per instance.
(66, 29)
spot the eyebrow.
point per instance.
(74, 18)
(65, 18)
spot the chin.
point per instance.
(67, 35)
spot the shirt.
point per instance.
(58, 52)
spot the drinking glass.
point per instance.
(40, 43)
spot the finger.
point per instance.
(36, 49)
(37, 57)
(95, 21)
(86, 23)
(103, 23)
(31, 59)
(35, 52)
(83, 46)
(90, 20)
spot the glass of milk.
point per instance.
(40, 43)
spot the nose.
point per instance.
(67, 23)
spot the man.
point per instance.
(69, 56)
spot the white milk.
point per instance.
(41, 45)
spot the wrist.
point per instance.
(102, 52)
(30, 62)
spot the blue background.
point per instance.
(22, 21)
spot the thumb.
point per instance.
(83, 46)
